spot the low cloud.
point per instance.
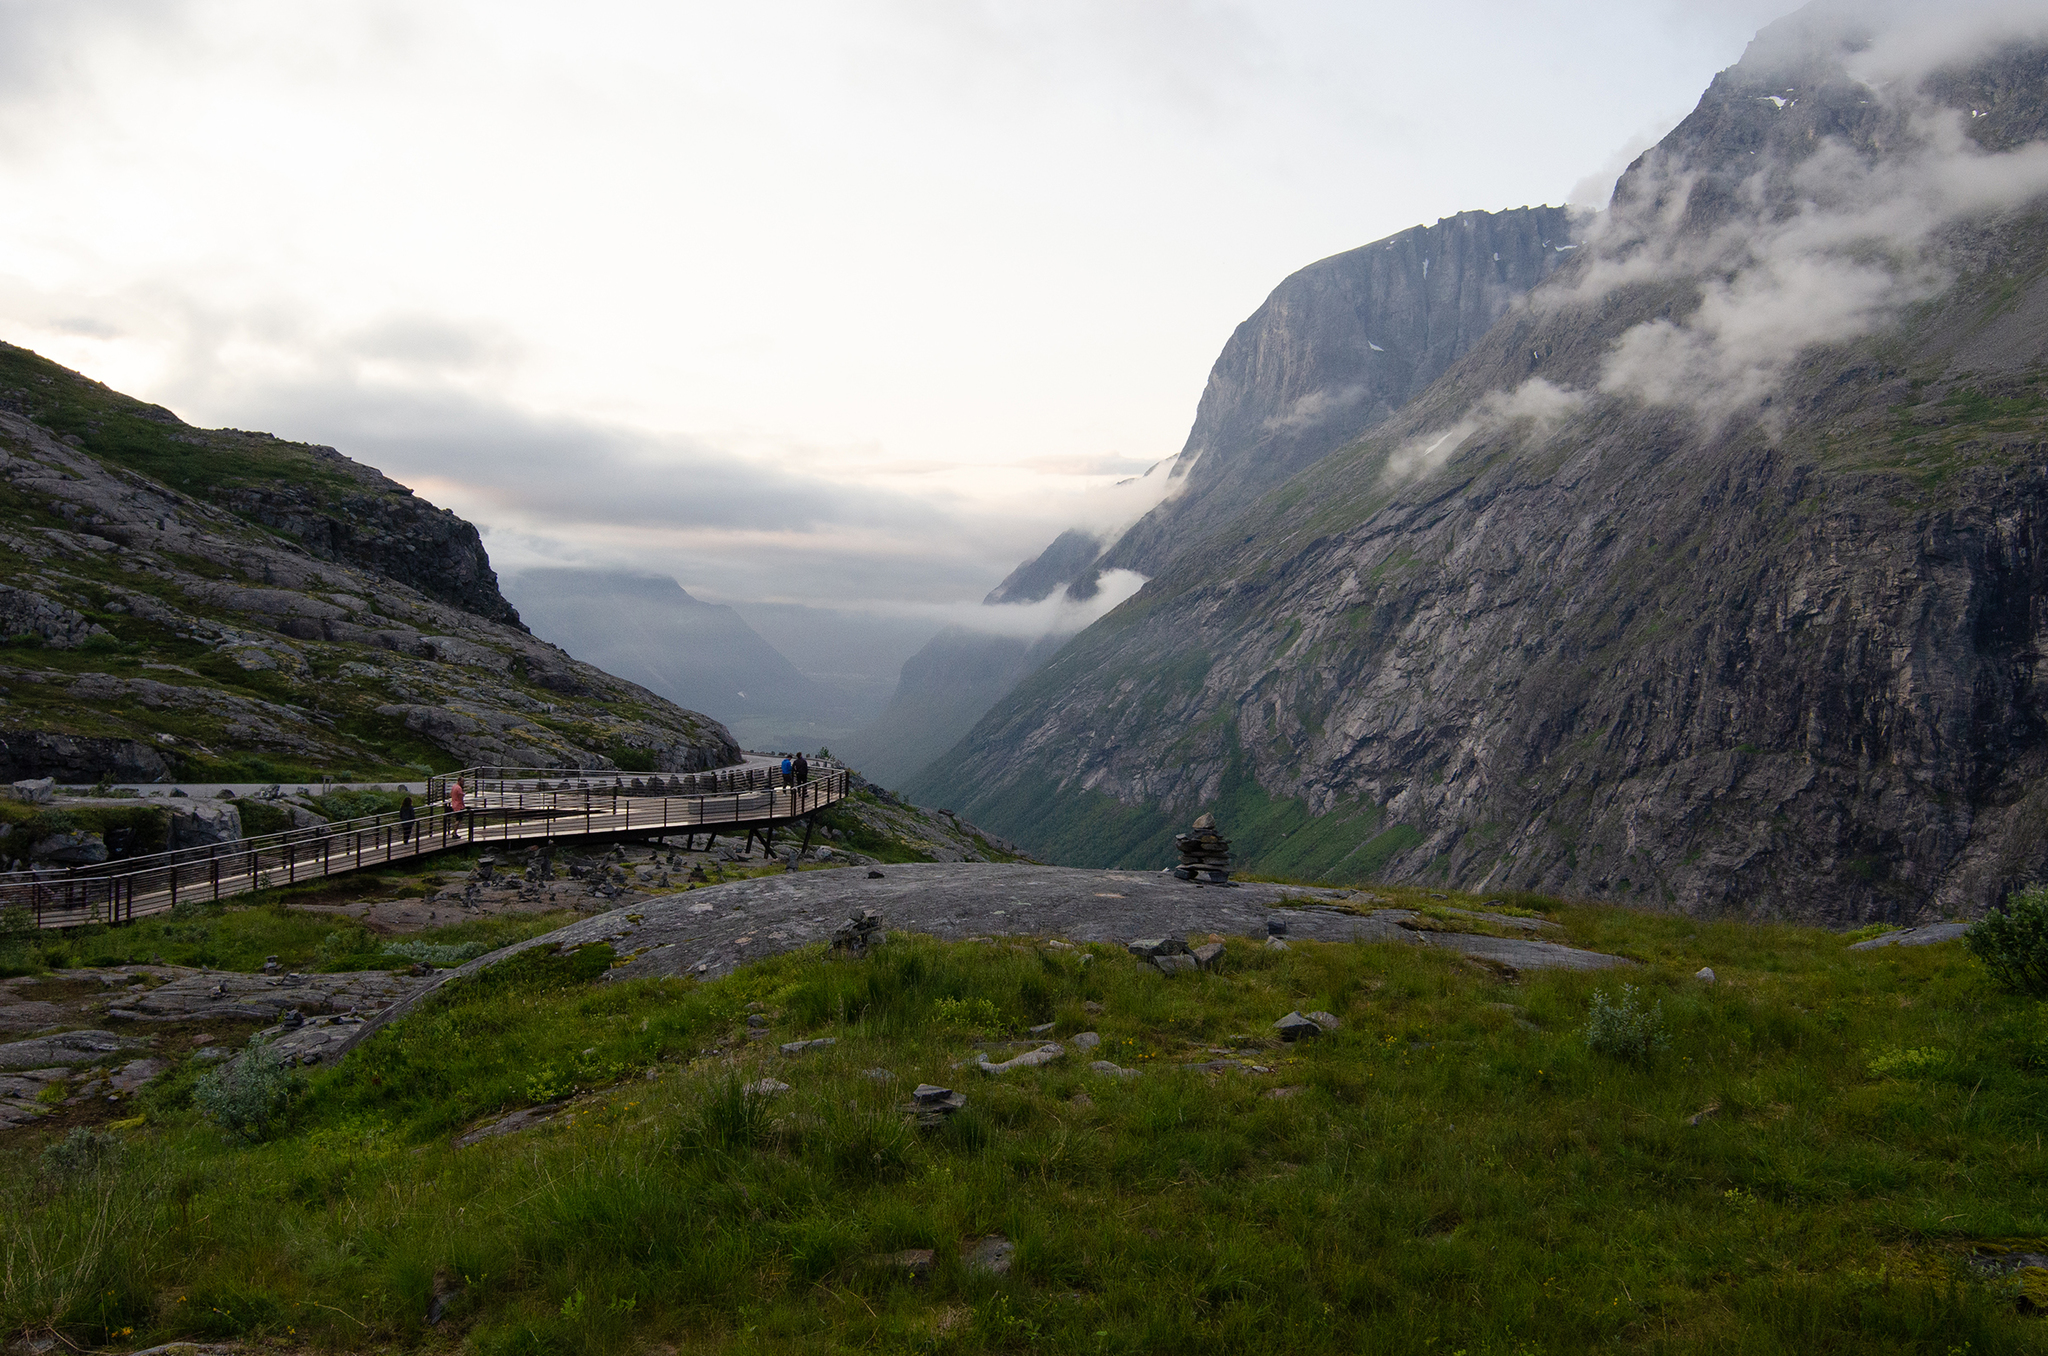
(1537, 406)
(1057, 615)
(1317, 407)
(1860, 243)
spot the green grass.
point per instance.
(1458, 1171)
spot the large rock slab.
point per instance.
(1921, 936)
(203, 995)
(709, 932)
(67, 1049)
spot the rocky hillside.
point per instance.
(1709, 579)
(195, 604)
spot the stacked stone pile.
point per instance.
(858, 933)
(1204, 854)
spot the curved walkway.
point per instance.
(510, 806)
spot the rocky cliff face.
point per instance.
(1710, 579)
(1337, 348)
(165, 618)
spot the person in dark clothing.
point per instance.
(405, 818)
(803, 770)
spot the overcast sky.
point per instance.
(857, 300)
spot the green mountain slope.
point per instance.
(195, 604)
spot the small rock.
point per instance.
(798, 1047)
(1151, 947)
(1275, 944)
(1276, 927)
(1208, 954)
(35, 790)
(1324, 1020)
(1281, 1094)
(1087, 1040)
(1081, 1101)
(1294, 1026)
(1030, 1059)
(1091, 1007)
(874, 875)
(1042, 1029)
(1705, 974)
(756, 1020)
(1103, 1066)
(1704, 1114)
(916, 1261)
(930, 1094)
(992, 1255)
(766, 1087)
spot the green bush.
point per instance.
(1625, 1029)
(249, 1095)
(81, 1153)
(2013, 942)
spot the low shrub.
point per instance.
(2012, 942)
(81, 1153)
(1906, 1061)
(248, 1096)
(1625, 1029)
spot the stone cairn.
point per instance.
(1204, 854)
(858, 933)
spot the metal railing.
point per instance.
(500, 805)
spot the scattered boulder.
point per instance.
(992, 1255)
(1030, 1059)
(1275, 944)
(1151, 948)
(1326, 1021)
(35, 790)
(1086, 1041)
(205, 824)
(1276, 927)
(798, 1047)
(1705, 974)
(1208, 954)
(931, 1104)
(766, 1087)
(1103, 1066)
(74, 848)
(1294, 1026)
(1175, 964)
(916, 1262)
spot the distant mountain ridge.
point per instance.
(649, 629)
(1687, 585)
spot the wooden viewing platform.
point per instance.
(501, 805)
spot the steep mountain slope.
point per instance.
(1337, 347)
(650, 630)
(1709, 579)
(211, 603)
